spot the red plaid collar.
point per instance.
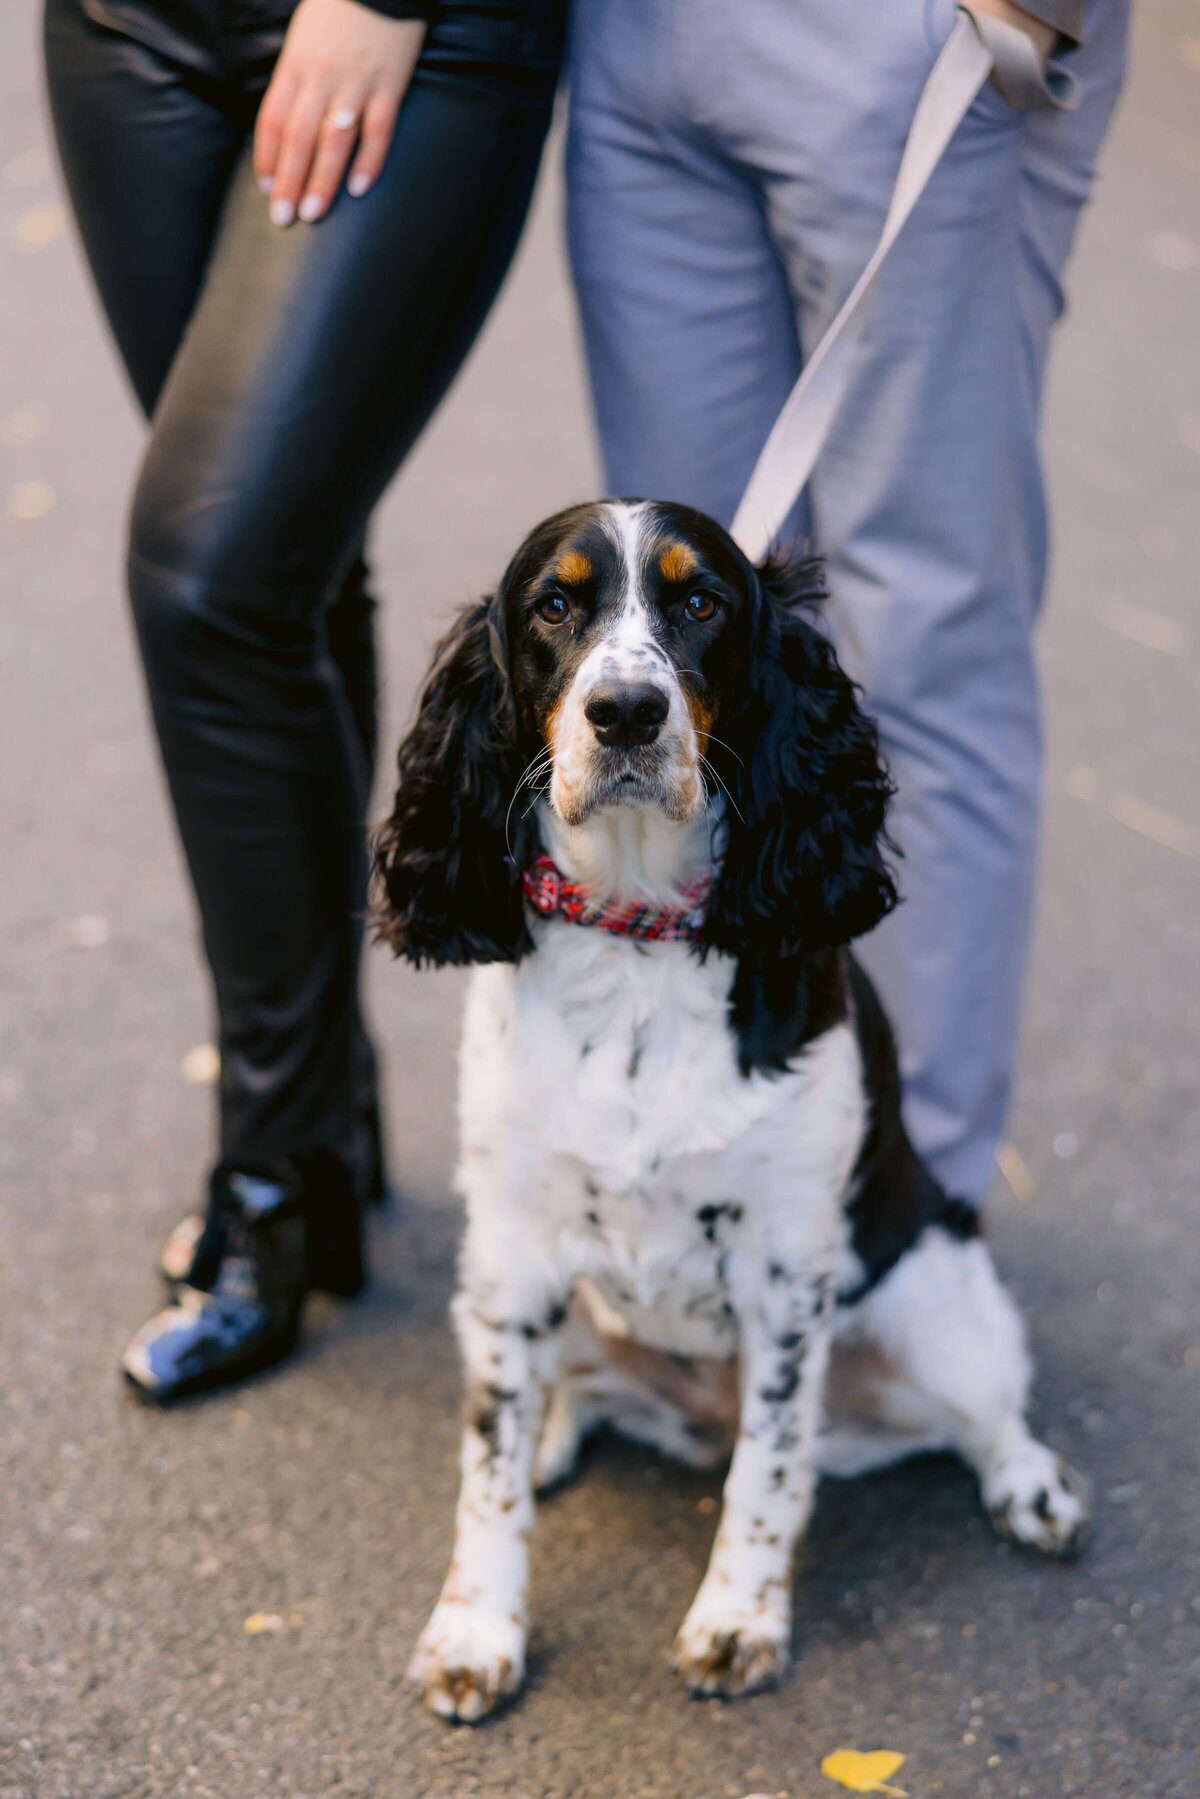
(548, 890)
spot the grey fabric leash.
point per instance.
(979, 46)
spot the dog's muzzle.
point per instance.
(619, 745)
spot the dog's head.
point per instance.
(633, 657)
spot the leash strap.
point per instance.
(979, 46)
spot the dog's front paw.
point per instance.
(1036, 1499)
(723, 1653)
(467, 1661)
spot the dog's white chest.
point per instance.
(603, 1076)
(641, 1063)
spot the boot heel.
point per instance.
(336, 1248)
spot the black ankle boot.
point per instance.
(239, 1309)
(372, 1170)
(334, 1200)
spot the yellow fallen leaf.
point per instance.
(202, 1065)
(30, 500)
(863, 1773)
(1151, 821)
(24, 424)
(259, 1623)
(1015, 1170)
(39, 226)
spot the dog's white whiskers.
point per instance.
(539, 793)
(713, 738)
(539, 765)
(706, 767)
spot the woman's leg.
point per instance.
(350, 625)
(311, 361)
(148, 147)
(147, 153)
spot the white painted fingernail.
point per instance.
(358, 185)
(266, 182)
(282, 212)
(310, 208)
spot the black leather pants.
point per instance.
(286, 373)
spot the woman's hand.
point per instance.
(339, 81)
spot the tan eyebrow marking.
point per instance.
(574, 568)
(677, 562)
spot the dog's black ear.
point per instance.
(804, 868)
(448, 860)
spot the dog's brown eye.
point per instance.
(700, 606)
(553, 609)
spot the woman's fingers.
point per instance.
(335, 141)
(297, 145)
(341, 76)
(268, 130)
(378, 124)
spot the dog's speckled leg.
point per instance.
(471, 1654)
(735, 1637)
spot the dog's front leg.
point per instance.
(735, 1637)
(472, 1652)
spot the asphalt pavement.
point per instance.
(315, 1504)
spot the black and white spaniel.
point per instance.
(640, 795)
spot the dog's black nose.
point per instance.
(626, 713)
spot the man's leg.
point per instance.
(689, 327)
(927, 502)
(929, 506)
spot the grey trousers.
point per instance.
(728, 171)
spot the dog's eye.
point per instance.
(700, 607)
(553, 609)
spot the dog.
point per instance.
(641, 799)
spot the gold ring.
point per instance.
(342, 119)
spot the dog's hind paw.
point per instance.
(466, 1662)
(1038, 1500)
(728, 1656)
